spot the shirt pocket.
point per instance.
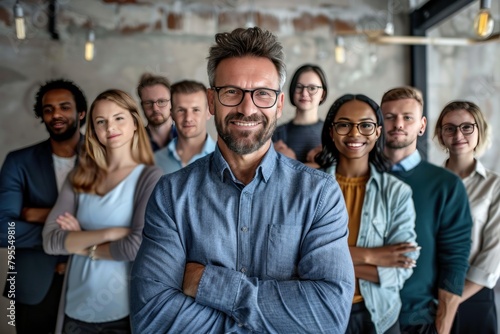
(377, 234)
(479, 209)
(283, 251)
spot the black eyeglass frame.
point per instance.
(357, 126)
(149, 104)
(455, 127)
(300, 88)
(251, 91)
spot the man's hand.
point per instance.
(35, 215)
(312, 153)
(192, 277)
(282, 148)
(447, 308)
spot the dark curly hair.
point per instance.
(330, 154)
(80, 100)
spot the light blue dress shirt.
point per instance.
(275, 251)
(169, 161)
(407, 163)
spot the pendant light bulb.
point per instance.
(484, 23)
(339, 50)
(89, 46)
(19, 20)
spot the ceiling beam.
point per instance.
(435, 11)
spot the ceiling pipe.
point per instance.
(52, 20)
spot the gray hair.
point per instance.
(246, 42)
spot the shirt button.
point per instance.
(240, 325)
(244, 229)
(243, 270)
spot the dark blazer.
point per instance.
(27, 179)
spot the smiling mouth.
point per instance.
(354, 145)
(245, 124)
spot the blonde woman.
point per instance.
(99, 216)
(463, 132)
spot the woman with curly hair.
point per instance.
(382, 240)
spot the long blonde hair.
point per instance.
(92, 166)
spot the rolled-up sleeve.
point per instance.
(318, 300)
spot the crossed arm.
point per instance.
(173, 293)
(62, 233)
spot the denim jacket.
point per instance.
(388, 217)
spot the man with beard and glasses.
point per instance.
(244, 239)
(154, 92)
(443, 224)
(30, 180)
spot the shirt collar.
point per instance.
(408, 163)
(478, 169)
(375, 175)
(265, 168)
(208, 146)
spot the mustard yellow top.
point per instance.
(354, 189)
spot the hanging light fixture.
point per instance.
(89, 45)
(339, 50)
(389, 26)
(483, 23)
(19, 19)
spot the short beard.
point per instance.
(157, 123)
(246, 145)
(60, 137)
(396, 145)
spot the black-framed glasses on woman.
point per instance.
(311, 89)
(364, 128)
(231, 96)
(161, 103)
(466, 128)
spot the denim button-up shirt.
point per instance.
(387, 218)
(275, 251)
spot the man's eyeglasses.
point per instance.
(311, 89)
(231, 96)
(449, 130)
(364, 128)
(161, 103)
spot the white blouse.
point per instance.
(483, 188)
